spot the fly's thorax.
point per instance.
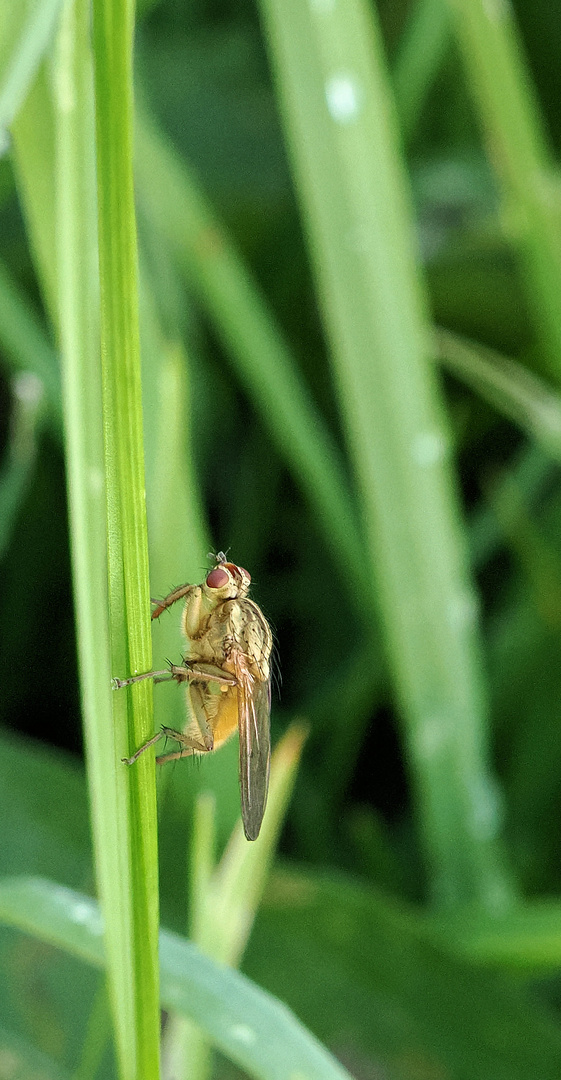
(248, 633)
(201, 608)
(223, 627)
(211, 642)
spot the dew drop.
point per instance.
(343, 98)
(28, 387)
(428, 447)
(85, 914)
(243, 1034)
(462, 609)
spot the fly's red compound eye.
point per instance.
(217, 578)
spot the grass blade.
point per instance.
(27, 29)
(419, 55)
(54, 156)
(25, 343)
(516, 392)
(251, 1027)
(26, 422)
(133, 946)
(225, 899)
(504, 95)
(342, 133)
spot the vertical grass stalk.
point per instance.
(505, 99)
(136, 940)
(419, 55)
(342, 133)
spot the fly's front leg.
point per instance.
(176, 594)
(191, 618)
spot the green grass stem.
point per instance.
(25, 344)
(54, 156)
(420, 52)
(26, 422)
(132, 927)
(27, 29)
(341, 130)
(509, 112)
(516, 392)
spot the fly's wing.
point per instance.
(254, 707)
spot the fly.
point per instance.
(227, 676)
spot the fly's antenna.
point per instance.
(219, 558)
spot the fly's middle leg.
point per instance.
(181, 673)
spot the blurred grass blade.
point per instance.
(514, 131)
(97, 1038)
(224, 902)
(33, 157)
(25, 423)
(342, 134)
(527, 938)
(419, 55)
(507, 385)
(22, 1061)
(262, 360)
(224, 922)
(186, 1050)
(352, 960)
(179, 536)
(24, 341)
(132, 925)
(56, 179)
(27, 29)
(251, 1027)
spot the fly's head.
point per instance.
(226, 581)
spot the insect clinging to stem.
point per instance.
(227, 676)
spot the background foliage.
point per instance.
(411, 944)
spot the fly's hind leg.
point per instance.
(201, 746)
(197, 679)
(191, 745)
(141, 749)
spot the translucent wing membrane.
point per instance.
(254, 706)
